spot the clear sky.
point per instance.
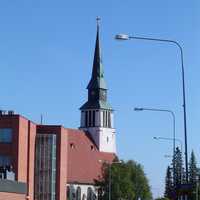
(46, 55)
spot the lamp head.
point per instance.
(122, 37)
(138, 109)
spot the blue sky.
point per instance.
(46, 54)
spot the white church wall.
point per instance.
(84, 191)
(107, 140)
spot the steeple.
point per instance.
(97, 89)
(97, 117)
(97, 80)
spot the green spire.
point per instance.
(97, 80)
(97, 90)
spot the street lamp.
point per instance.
(164, 138)
(127, 37)
(110, 165)
(163, 110)
(174, 125)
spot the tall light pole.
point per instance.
(127, 37)
(110, 174)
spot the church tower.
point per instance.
(96, 113)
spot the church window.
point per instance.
(104, 119)
(107, 139)
(68, 192)
(109, 120)
(86, 118)
(72, 145)
(92, 147)
(89, 193)
(100, 194)
(93, 116)
(90, 118)
(78, 193)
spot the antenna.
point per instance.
(41, 119)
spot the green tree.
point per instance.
(193, 169)
(162, 198)
(193, 173)
(128, 181)
(178, 168)
(168, 183)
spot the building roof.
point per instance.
(84, 158)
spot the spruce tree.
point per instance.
(178, 168)
(193, 169)
(168, 183)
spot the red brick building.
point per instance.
(57, 163)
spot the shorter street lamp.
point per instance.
(110, 165)
(163, 110)
(174, 124)
(168, 156)
(171, 139)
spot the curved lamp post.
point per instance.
(127, 37)
(174, 125)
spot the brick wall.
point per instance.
(11, 196)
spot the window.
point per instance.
(89, 193)
(93, 116)
(5, 160)
(78, 193)
(107, 139)
(109, 120)
(90, 118)
(104, 119)
(86, 118)
(68, 192)
(5, 135)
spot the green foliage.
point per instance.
(128, 181)
(193, 173)
(168, 183)
(178, 168)
(193, 169)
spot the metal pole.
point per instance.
(183, 89)
(110, 181)
(174, 127)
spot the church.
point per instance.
(51, 162)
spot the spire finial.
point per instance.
(98, 20)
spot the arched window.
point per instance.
(109, 120)
(93, 117)
(68, 192)
(84, 197)
(90, 118)
(78, 193)
(100, 194)
(89, 193)
(86, 118)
